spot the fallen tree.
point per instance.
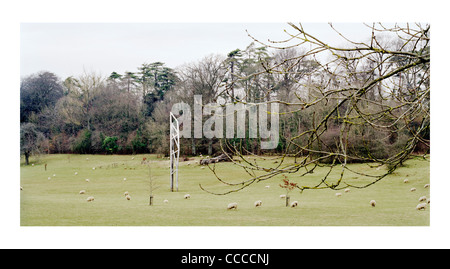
(221, 158)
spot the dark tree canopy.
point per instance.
(38, 92)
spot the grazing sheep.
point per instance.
(124, 179)
(166, 201)
(413, 189)
(82, 192)
(90, 199)
(21, 188)
(406, 181)
(347, 190)
(338, 194)
(93, 168)
(258, 203)
(49, 178)
(232, 206)
(282, 196)
(54, 175)
(76, 173)
(423, 198)
(128, 197)
(294, 204)
(426, 186)
(187, 196)
(125, 193)
(421, 206)
(373, 203)
(87, 179)
(267, 187)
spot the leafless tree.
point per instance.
(203, 78)
(369, 102)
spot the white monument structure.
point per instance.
(174, 151)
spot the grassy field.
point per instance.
(51, 197)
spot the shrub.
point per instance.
(110, 144)
(139, 143)
(82, 143)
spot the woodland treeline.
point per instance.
(128, 112)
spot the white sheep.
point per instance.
(76, 173)
(166, 201)
(187, 196)
(347, 190)
(125, 193)
(413, 189)
(128, 197)
(232, 206)
(90, 199)
(421, 206)
(338, 194)
(426, 186)
(373, 203)
(87, 179)
(282, 196)
(406, 181)
(21, 188)
(294, 204)
(124, 179)
(267, 186)
(258, 203)
(423, 198)
(49, 178)
(54, 175)
(82, 192)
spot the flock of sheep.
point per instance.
(91, 198)
(423, 200)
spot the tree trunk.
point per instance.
(27, 156)
(210, 147)
(232, 80)
(220, 158)
(193, 146)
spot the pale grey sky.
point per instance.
(68, 49)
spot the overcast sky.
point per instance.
(67, 49)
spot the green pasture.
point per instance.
(51, 196)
